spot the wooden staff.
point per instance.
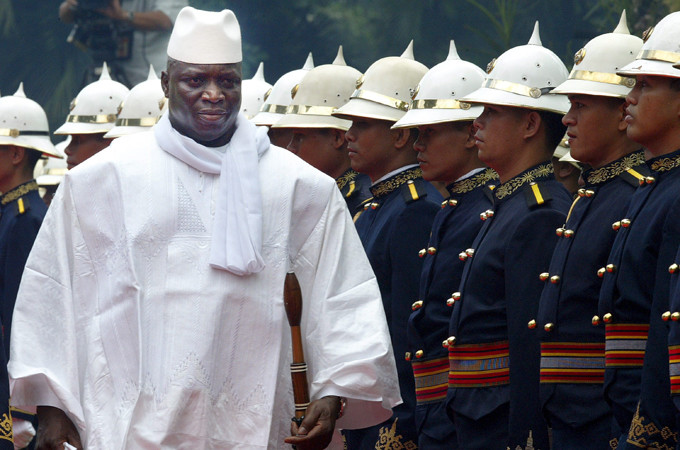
(292, 299)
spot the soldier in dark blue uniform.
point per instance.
(494, 357)
(24, 138)
(572, 349)
(447, 153)
(395, 223)
(635, 289)
(318, 137)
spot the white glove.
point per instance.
(23, 432)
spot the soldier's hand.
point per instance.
(316, 430)
(55, 428)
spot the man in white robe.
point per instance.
(151, 308)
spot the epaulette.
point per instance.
(636, 175)
(22, 206)
(413, 190)
(536, 195)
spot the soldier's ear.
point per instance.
(338, 138)
(532, 124)
(622, 125)
(470, 142)
(402, 137)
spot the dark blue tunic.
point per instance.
(494, 357)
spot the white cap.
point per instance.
(319, 94)
(595, 65)
(661, 49)
(436, 100)
(385, 91)
(524, 76)
(53, 170)
(23, 123)
(277, 101)
(204, 37)
(95, 108)
(141, 109)
(254, 92)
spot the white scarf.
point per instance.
(236, 243)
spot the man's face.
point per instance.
(280, 136)
(652, 114)
(593, 127)
(83, 146)
(443, 150)
(317, 147)
(370, 144)
(204, 100)
(498, 134)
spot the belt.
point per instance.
(431, 379)
(625, 344)
(479, 365)
(572, 362)
(674, 368)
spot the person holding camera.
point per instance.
(127, 34)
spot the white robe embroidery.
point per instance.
(121, 322)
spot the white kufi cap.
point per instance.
(204, 37)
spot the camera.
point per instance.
(103, 38)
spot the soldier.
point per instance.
(635, 289)
(494, 358)
(572, 349)
(276, 103)
(141, 109)
(318, 137)
(93, 113)
(446, 152)
(396, 222)
(24, 138)
(254, 91)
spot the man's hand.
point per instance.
(316, 430)
(55, 428)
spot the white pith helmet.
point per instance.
(95, 108)
(254, 92)
(436, 100)
(562, 152)
(660, 51)
(52, 171)
(595, 65)
(23, 123)
(524, 76)
(385, 91)
(323, 89)
(141, 109)
(280, 97)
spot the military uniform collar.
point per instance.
(543, 171)
(666, 162)
(594, 177)
(470, 183)
(385, 187)
(18, 192)
(345, 178)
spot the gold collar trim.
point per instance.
(468, 184)
(345, 178)
(385, 187)
(520, 180)
(18, 192)
(616, 168)
(666, 164)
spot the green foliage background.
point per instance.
(281, 33)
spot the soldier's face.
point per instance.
(653, 114)
(499, 132)
(83, 146)
(594, 126)
(204, 100)
(444, 150)
(370, 144)
(317, 146)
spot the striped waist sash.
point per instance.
(674, 368)
(479, 365)
(431, 379)
(572, 362)
(625, 344)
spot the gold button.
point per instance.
(455, 296)
(419, 354)
(600, 272)
(675, 316)
(559, 232)
(549, 327)
(483, 216)
(625, 223)
(616, 225)
(417, 305)
(445, 343)
(595, 320)
(453, 202)
(444, 203)
(489, 213)
(366, 206)
(610, 268)
(470, 252)
(673, 268)
(431, 250)
(462, 256)
(581, 192)
(422, 253)
(590, 193)
(665, 316)
(407, 356)
(544, 276)
(554, 279)
(450, 302)
(650, 180)
(532, 324)
(375, 205)
(568, 233)
(451, 340)
(607, 318)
